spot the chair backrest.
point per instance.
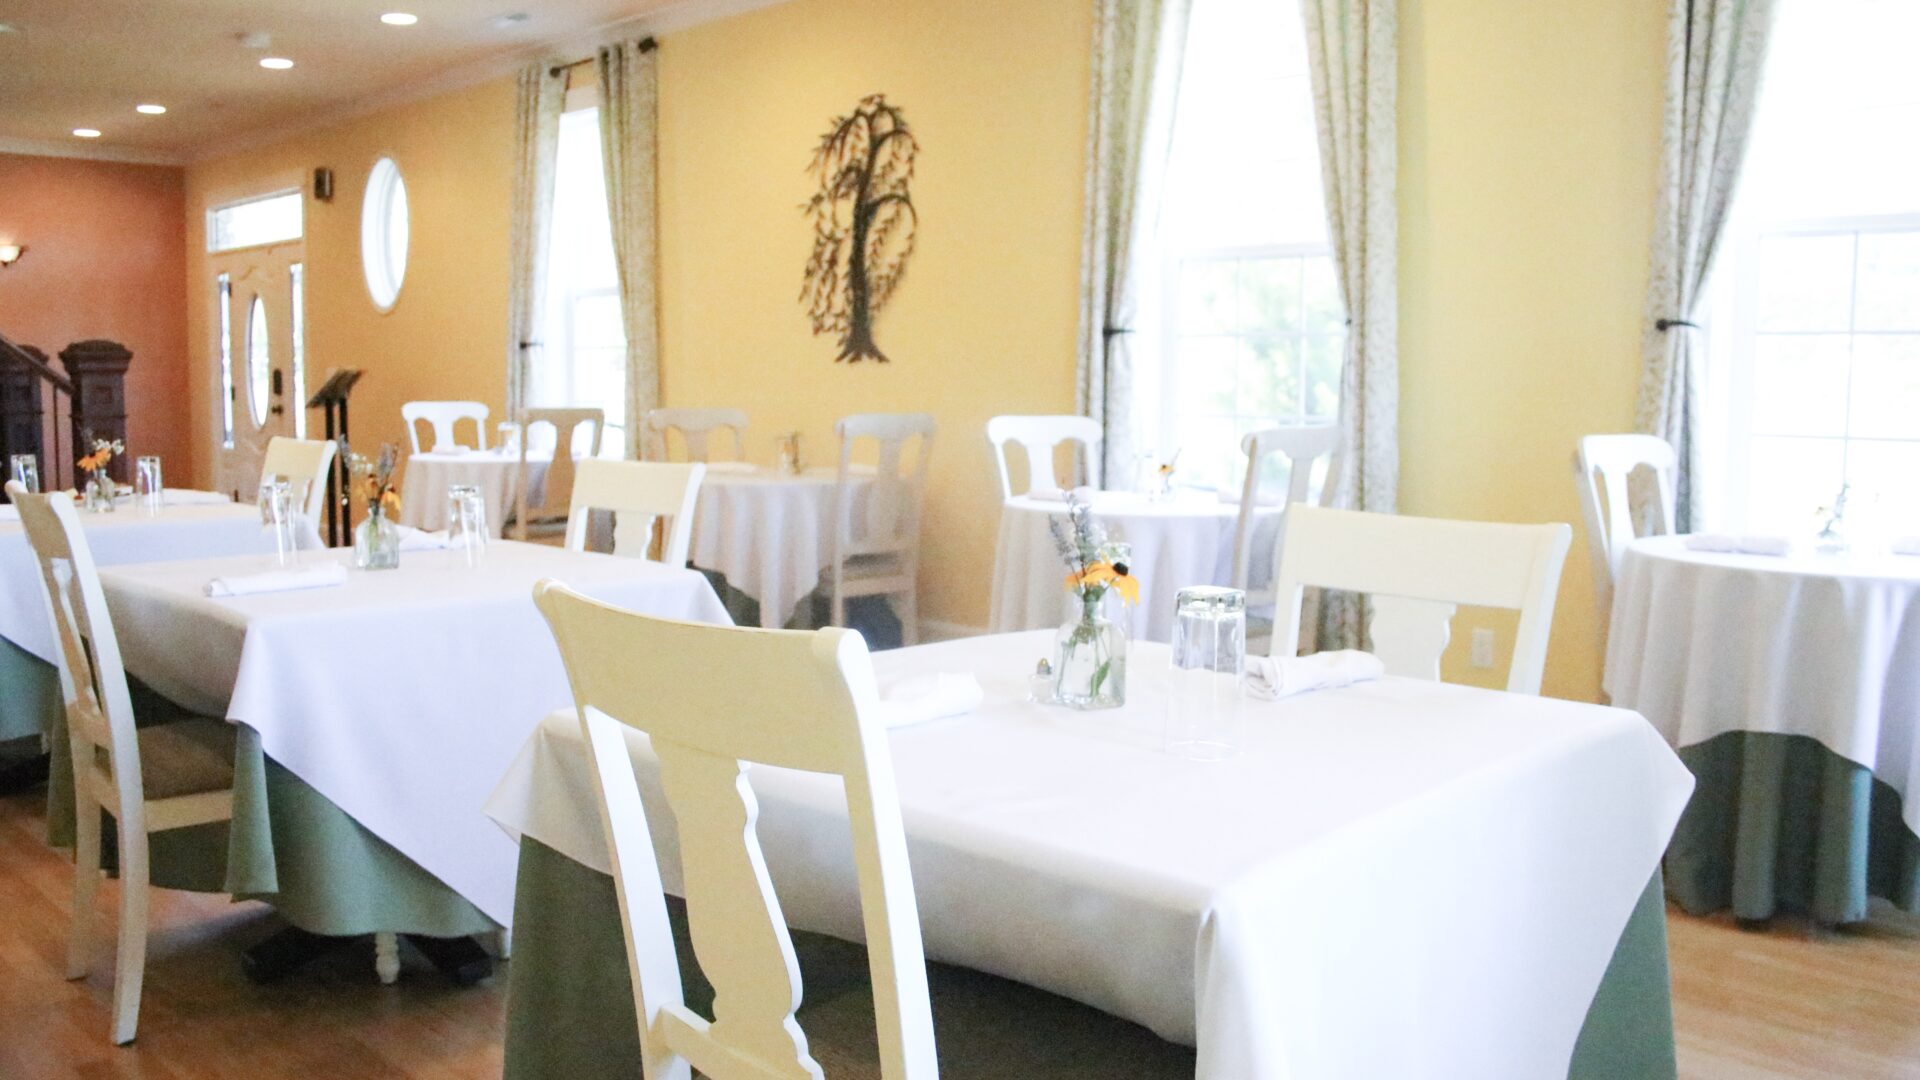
(1416, 570)
(93, 684)
(1601, 467)
(712, 700)
(638, 493)
(442, 416)
(304, 463)
(558, 494)
(694, 425)
(1301, 445)
(1038, 435)
(896, 493)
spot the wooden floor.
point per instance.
(1776, 1005)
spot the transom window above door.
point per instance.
(268, 219)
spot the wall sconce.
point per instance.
(10, 254)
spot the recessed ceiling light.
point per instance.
(399, 18)
(8, 28)
(150, 110)
(86, 133)
(275, 63)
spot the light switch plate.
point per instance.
(1482, 654)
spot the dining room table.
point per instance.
(372, 719)
(1398, 878)
(1181, 540)
(1789, 683)
(430, 474)
(768, 532)
(186, 524)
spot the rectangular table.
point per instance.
(1398, 879)
(399, 697)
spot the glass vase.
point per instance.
(100, 492)
(376, 543)
(1090, 660)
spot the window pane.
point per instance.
(1806, 282)
(1889, 290)
(1800, 384)
(257, 221)
(1206, 296)
(259, 363)
(1886, 388)
(1325, 354)
(1269, 296)
(1320, 289)
(1204, 367)
(298, 283)
(582, 358)
(1788, 480)
(1881, 497)
(1270, 380)
(226, 361)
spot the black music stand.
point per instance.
(332, 396)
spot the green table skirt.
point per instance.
(570, 1012)
(29, 695)
(1779, 823)
(287, 845)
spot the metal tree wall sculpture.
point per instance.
(863, 224)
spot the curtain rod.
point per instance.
(647, 44)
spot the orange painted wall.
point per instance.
(106, 258)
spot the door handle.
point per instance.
(277, 384)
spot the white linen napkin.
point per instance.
(1906, 545)
(1273, 678)
(412, 539)
(1743, 545)
(320, 575)
(930, 697)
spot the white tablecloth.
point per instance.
(1399, 879)
(423, 495)
(192, 525)
(400, 696)
(1828, 647)
(770, 533)
(1184, 541)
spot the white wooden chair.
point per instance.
(304, 464)
(1601, 467)
(443, 417)
(879, 555)
(549, 516)
(694, 426)
(638, 493)
(712, 701)
(1038, 435)
(1416, 571)
(171, 776)
(1301, 446)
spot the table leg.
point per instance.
(386, 957)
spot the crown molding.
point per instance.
(675, 16)
(128, 155)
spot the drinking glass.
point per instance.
(1209, 657)
(467, 523)
(277, 513)
(147, 485)
(25, 468)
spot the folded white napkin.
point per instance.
(1083, 493)
(1744, 545)
(1273, 678)
(930, 697)
(412, 539)
(320, 575)
(1906, 545)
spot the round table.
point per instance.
(423, 502)
(1791, 685)
(768, 532)
(1179, 542)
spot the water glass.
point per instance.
(25, 469)
(1205, 705)
(277, 513)
(467, 523)
(147, 485)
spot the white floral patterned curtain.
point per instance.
(1138, 47)
(629, 121)
(536, 133)
(1351, 52)
(1716, 50)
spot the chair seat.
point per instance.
(187, 757)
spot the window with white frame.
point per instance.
(583, 358)
(268, 219)
(1246, 312)
(1813, 377)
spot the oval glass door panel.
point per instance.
(259, 363)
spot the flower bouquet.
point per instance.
(100, 487)
(1090, 654)
(376, 542)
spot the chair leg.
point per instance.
(86, 881)
(386, 957)
(910, 617)
(838, 616)
(130, 964)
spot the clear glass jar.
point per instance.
(100, 492)
(1090, 660)
(376, 543)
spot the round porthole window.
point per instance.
(383, 233)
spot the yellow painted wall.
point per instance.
(1528, 154)
(446, 335)
(986, 320)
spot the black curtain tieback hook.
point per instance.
(1664, 325)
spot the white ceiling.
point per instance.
(86, 63)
